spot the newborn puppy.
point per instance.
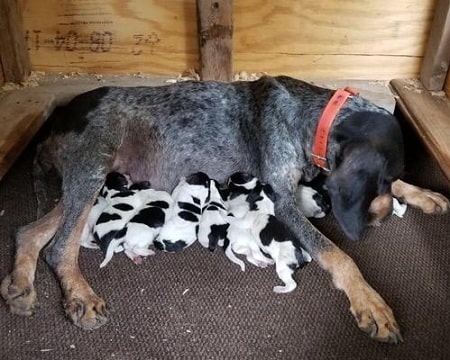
(114, 184)
(312, 198)
(240, 240)
(147, 212)
(214, 224)
(272, 236)
(181, 226)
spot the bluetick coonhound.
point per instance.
(265, 127)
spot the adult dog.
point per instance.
(264, 127)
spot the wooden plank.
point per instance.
(14, 58)
(437, 55)
(303, 38)
(447, 85)
(23, 113)
(329, 66)
(2, 78)
(429, 115)
(215, 31)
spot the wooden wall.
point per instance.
(360, 39)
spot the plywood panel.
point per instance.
(305, 38)
(429, 114)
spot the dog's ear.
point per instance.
(352, 186)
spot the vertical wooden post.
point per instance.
(215, 32)
(437, 54)
(15, 62)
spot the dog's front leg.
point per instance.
(371, 312)
(428, 201)
(18, 287)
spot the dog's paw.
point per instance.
(428, 201)
(375, 317)
(89, 312)
(21, 297)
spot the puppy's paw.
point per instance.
(20, 296)
(283, 289)
(375, 317)
(87, 312)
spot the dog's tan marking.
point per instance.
(18, 287)
(81, 304)
(380, 208)
(371, 312)
(428, 201)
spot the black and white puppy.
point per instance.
(146, 210)
(272, 236)
(182, 223)
(215, 224)
(115, 183)
(312, 197)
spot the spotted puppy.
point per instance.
(115, 183)
(239, 236)
(312, 197)
(214, 224)
(131, 222)
(272, 236)
(181, 227)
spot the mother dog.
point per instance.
(264, 127)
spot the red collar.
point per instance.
(319, 153)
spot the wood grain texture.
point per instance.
(14, 57)
(23, 113)
(437, 55)
(215, 35)
(371, 39)
(430, 117)
(447, 85)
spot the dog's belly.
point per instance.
(163, 161)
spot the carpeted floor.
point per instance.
(198, 305)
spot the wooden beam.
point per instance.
(429, 115)
(447, 85)
(437, 55)
(13, 48)
(215, 30)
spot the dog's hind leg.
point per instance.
(428, 201)
(81, 304)
(18, 287)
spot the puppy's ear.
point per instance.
(353, 186)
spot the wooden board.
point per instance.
(14, 59)
(23, 113)
(429, 114)
(437, 55)
(303, 38)
(447, 85)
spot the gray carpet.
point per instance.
(198, 305)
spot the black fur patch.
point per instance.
(159, 203)
(73, 116)
(105, 217)
(189, 207)
(123, 207)
(188, 216)
(153, 217)
(217, 232)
